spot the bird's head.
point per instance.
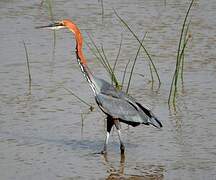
(66, 23)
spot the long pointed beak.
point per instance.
(53, 26)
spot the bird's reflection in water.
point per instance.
(146, 172)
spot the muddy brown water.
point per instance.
(42, 135)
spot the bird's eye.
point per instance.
(61, 23)
(57, 24)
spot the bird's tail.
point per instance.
(155, 122)
(151, 117)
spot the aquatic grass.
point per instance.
(91, 108)
(100, 57)
(28, 66)
(150, 68)
(179, 69)
(107, 61)
(186, 38)
(95, 54)
(112, 75)
(116, 60)
(118, 54)
(136, 37)
(104, 61)
(111, 72)
(124, 74)
(102, 10)
(183, 40)
(133, 65)
(83, 116)
(54, 44)
(49, 6)
(82, 123)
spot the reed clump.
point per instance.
(102, 58)
(145, 50)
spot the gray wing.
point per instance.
(120, 105)
(121, 108)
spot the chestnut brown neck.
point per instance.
(79, 40)
(79, 53)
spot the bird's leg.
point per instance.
(117, 125)
(110, 124)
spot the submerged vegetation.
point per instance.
(179, 69)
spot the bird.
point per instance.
(117, 105)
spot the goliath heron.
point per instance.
(116, 104)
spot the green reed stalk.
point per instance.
(116, 60)
(49, 5)
(128, 27)
(100, 58)
(131, 73)
(104, 61)
(80, 99)
(28, 66)
(112, 75)
(182, 61)
(102, 10)
(180, 52)
(117, 57)
(95, 54)
(151, 73)
(124, 74)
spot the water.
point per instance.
(42, 135)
